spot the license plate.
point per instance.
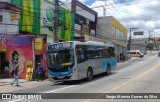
(60, 76)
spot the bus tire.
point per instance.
(89, 74)
(108, 70)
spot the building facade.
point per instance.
(85, 21)
(114, 32)
(20, 37)
(33, 20)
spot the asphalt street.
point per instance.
(139, 76)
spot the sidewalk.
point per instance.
(7, 81)
(126, 62)
(152, 52)
(6, 87)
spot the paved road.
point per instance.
(141, 76)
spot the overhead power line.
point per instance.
(123, 19)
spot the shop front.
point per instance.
(20, 49)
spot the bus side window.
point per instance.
(81, 53)
(111, 51)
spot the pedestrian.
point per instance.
(15, 76)
(123, 57)
(15, 67)
(39, 72)
(118, 58)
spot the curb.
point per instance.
(126, 62)
(8, 83)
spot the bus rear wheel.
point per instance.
(89, 74)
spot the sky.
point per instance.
(141, 14)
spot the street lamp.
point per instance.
(129, 41)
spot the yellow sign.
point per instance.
(2, 44)
(2, 49)
(14, 16)
(29, 70)
(38, 43)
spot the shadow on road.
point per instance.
(83, 81)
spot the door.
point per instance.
(2, 64)
(37, 60)
(2, 61)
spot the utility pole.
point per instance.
(129, 43)
(149, 39)
(149, 36)
(56, 21)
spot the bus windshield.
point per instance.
(60, 58)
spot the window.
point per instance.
(86, 52)
(81, 53)
(111, 51)
(1, 18)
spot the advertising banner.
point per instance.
(18, 51)
(38, 43)
(29, 15)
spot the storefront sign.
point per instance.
(2, 48)
(2, 43)
(38, 43)
(14, 16)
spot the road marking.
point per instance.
(15, 100)
(116, 88)
(126, 83)
(60, 89)
(139, 76)
(47, 92)
(128, 68)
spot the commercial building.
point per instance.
(20, 34)
(85, 21)
(32, 20)
(115, 33)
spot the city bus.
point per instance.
(75, 60)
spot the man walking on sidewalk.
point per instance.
(15, 77)
(15, 67)
(40, 72)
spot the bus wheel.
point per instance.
(89, 74)
(108, 70)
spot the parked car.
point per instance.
(135, 53)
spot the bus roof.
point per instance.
(87, 43)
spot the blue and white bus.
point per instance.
(75, 60)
